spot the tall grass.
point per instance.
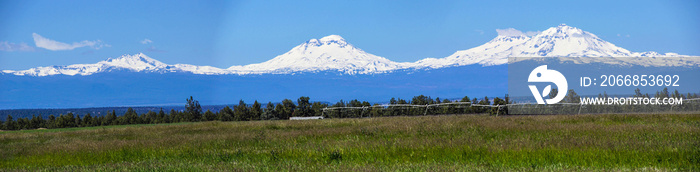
(458, 142)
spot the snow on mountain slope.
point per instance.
(137, 63)
(333, 53)
(491, 53)
(328, 53)
(560, 41)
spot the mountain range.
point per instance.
(331, 69)
(333, 53)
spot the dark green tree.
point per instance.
(255, 111)
(209, 116)
(288, 110)
(173, 116)
(317, 108)
(465, 99)
(572, 97)
(78, 121)
(87, 120)
(280, 112)
(37, 122)
(194, 109)
(51, 123)
(161, 117)
(240, 112)
(130, 117)
(226, 114)
(303, 107)
(269, 113)
(111, 119)
(10, 123)
(22, 123)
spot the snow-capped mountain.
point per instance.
(136, 63)
(560, 41)
(330, 53)
(333, 53)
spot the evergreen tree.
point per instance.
(151, 118)
(288, 110)
(317, 108)
(572, 97)
(465, 99)
(9, 123)
(269, 113)
(226, 114)
(161, 118)
(78, 121)
(485, 101)
(37, 122)
(194, 109)
(174, 117)
(111, 119)
(553, 93)
(256, 111)
(638, 93)
(209, 116)
(303, 107)
(130, 117)
(87, 120)
(240, 112)
(22, 123)
(280, 112)
(52, 122)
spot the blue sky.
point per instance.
(226, 33)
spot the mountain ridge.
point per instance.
(334, 53)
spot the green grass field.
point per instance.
(426, 143)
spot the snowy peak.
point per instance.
(332, 38)
(137, 62)
(560, 41)
(564, 30)
(330, 53)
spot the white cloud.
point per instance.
(515, 32)
(154, 49)
(146, 41)
(509, 32)
(532, 33)
(9, 46)
(49, 44)
(481, 32)
(620, 35)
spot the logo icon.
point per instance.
(542, 74)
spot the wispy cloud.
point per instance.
(9, 46)
(619, 35)
(509, 32)
(515, 32)
(154, 49)
(52, 45)
(481, 32)
(146, 41)
(532, 33)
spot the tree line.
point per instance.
(304, 107)
(241, 112)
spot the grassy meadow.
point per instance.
(424, 143)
